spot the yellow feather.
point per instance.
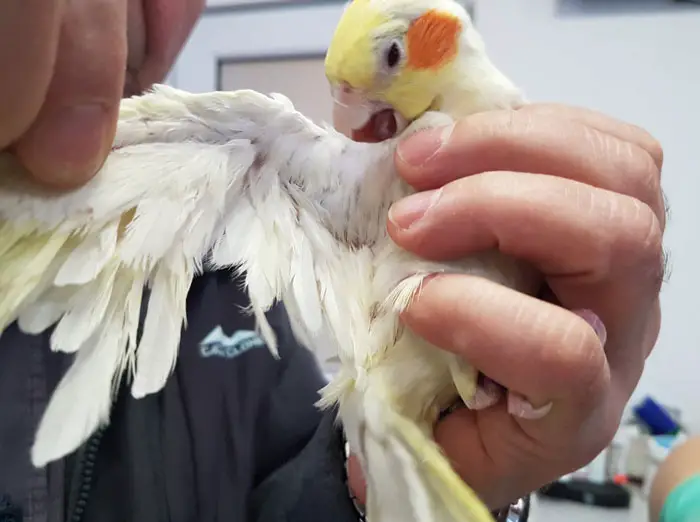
(10, 234)
(25, 265)
(457, 497)
(351, 56)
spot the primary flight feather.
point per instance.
(241, 180)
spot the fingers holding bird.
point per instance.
(571, 143)
(539, 349)
(598, 250)
(588, 216)
(576, 195)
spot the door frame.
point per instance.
(236, 60)
(252, 32)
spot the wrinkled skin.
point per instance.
(591, 182)
(64, 54)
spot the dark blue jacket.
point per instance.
(233, 437)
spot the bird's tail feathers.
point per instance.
(408, 477)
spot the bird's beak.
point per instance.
(363, 119)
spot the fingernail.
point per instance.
(591, 318)
(519, 406)
(407, 211)
(421, 147)
(72, 139)
(487, 394)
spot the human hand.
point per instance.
(67, 64)
(577, 195)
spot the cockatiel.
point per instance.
(242, 180)
(414, 56)
(402, 58)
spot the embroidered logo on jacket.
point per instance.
(218, 344)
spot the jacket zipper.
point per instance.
(86, 470)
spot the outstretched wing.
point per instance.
(222, 179)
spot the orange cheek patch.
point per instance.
(432, 40)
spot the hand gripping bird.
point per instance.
(243, 181)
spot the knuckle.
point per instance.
(653, 237)
(645, 165)
(636, 171)
(652, 146)
(657, 153)
(643, 168)
(636, 246)
(588, 373)
(642, 139)
(655, 257)
(648, 238)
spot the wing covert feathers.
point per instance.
(194, 181)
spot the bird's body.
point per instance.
(241, 180)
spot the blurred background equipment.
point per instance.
(616, 483)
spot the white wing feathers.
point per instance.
(224, 180)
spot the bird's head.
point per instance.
(390, 61)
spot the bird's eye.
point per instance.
(393, 55)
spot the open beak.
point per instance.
(363, 119)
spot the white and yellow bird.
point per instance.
(241, 180)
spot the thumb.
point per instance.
(74, 130)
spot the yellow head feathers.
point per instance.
(396, 51)
(351, 54)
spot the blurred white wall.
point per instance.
(638, 61)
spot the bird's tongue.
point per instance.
(381, 126)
